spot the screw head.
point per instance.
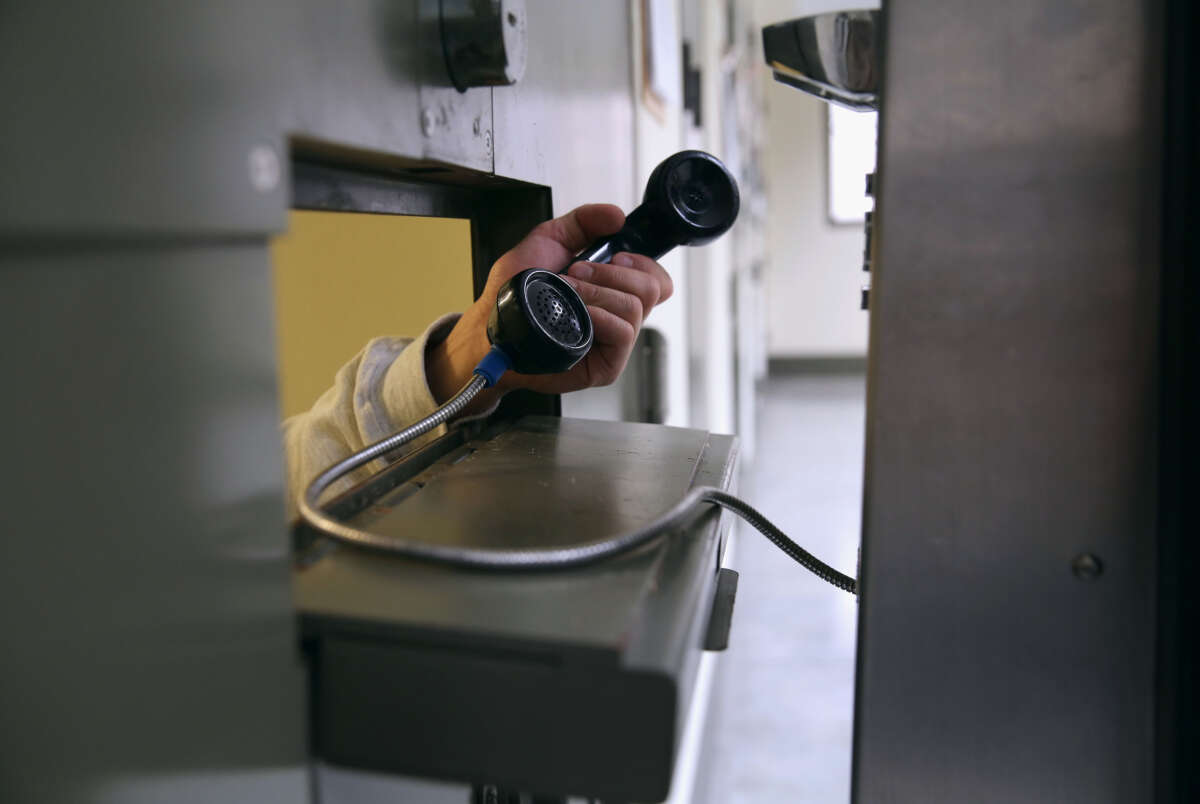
(263, 166)
(1087, 566)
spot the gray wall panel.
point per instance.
(143, 573)
(371, 74)
(136, 117)
(569, 122)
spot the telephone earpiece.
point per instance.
(691, 199)
(539, 320)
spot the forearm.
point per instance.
(450, 363)
(384, 388)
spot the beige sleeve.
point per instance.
(381, 390)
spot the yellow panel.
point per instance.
(342, 278)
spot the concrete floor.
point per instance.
(784, 697)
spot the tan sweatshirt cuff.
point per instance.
(406, 392)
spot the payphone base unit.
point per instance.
(566, 682)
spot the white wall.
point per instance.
(699, 322)
(653, 139)
(713, 264)
(814, 268)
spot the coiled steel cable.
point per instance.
(539, 559)
(330, 526)
(777, 537)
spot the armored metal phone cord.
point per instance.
(541, 559)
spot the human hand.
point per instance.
(618, 297)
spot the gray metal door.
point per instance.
(1007, 631)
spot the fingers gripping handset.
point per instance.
(540, 325)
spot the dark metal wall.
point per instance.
(1177, 758)
(1012, 439)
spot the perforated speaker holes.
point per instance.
(554, 312)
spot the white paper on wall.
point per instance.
(852, 138)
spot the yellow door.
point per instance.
(342, 278)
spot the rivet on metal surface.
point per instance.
(263, 166)
(428, 122)
(1087, 567)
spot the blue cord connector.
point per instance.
(494, 365)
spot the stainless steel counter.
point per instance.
(560, 682)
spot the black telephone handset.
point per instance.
(539, 320)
